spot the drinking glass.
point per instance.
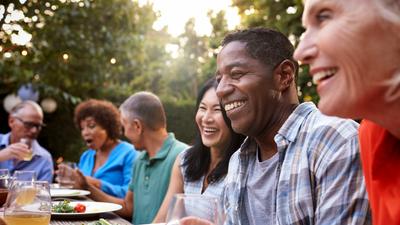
(28, 142)
(65, 174)
(195, 205)
(28, 202)
(4, 184)
(24, 175)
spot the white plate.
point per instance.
(68, 192)
(92, 208)
(59, 186)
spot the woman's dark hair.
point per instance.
(103, 112)
(198, 157)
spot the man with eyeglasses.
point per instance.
(19, 149)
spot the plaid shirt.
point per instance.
(319, 176)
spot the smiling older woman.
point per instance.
(353, 50)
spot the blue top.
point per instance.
(41, 161)
(116, 173)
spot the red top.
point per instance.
(380, 154)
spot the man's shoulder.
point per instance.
(316, 122)
(178, 146)
(41, 151)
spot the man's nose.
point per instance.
(223, 88)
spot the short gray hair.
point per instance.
(147, 107)
(14, 111)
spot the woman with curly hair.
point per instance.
(107, 164)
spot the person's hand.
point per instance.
(81, 181)
(191, 220)
(15, 151)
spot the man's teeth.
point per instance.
(317, 77)
(233, 105)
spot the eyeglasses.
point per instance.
(29, 125)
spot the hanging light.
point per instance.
(49, 105)
(10, 101)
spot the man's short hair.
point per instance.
(266, 45)
(147, 107)
(14, 111)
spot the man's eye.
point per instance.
(323, 15)
(236, 75)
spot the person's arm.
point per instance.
(175, 186)
(98, 195)
(340, 187)
(14, 151)
(93, 181)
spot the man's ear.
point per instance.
(286, 71)
(11, 121)
(137, 124)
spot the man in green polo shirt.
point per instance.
(144, 122)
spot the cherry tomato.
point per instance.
(80, 208)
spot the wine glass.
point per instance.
(4, 183)
(195, 205)
(28, 202)
(25, 175)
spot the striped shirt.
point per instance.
(319, 176)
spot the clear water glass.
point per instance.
(195, 205)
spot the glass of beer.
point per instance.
(206, 208)
(28, 142)
(29, 202)
(4, 183)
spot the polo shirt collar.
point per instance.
(164, 150)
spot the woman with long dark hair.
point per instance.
(201, 168)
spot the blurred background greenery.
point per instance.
(108, 49)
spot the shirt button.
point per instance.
(147, 178)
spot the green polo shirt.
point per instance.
(150, 179)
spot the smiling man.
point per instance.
(19, 148)
(297, 166)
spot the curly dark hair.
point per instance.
(103, 112)
(198, 157)
(266, 45)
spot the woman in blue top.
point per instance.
(201, 168)
(107, 164)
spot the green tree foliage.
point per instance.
(80, 49)
(285, 16)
